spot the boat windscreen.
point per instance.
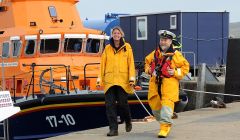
(93, 45)
(16, 47)
(72, 45)
(30, 47)
(49, 46)
(5, 50)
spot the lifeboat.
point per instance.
(47, 34)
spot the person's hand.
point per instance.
(170, 71)
(98, 85)
(150, 71)
(131, 84)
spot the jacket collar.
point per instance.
(169, 52)
(122, 45)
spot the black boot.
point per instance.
(112, 133)
(128, 127)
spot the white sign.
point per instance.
(6, 106)
(5, 99)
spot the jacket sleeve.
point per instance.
(102, 68)
(182, 66)
(131, 67)
(148, 61)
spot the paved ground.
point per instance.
(202, 124)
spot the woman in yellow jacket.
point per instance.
(117, 76)
(166, 67)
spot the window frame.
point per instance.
(50, 36)
(73, 36)
(100, 45)
(19, 51)
(101, 39)
(145, 28)
(49, 7)
(27, 38)
(35, 45)
(64, 41)
(8, 49)
(173, 27)
(59, 46)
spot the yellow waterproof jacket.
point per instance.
(117, 68)
(169, 86)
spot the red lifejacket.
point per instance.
(162, 64)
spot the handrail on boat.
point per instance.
(20, 74)
(33, 65)
(85, 77)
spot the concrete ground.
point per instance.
(201, 124)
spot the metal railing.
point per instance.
(194, 61)
(32, 82)
(33, 76)
(85, 77)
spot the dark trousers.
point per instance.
(116, 96)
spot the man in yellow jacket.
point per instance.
(166, 66)
(117, 76)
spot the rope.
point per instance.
(195, 91)
(142, 104)
(214, 93)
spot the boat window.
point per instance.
(52, 11)
(5, 50)
(30, 47)
(49, 46)
(93, 45)
(16, 47)
(73, 45)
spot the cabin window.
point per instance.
(73, 45)
(5, 50)
(52, 11)
(93, 45)
(49, 46)
(173, 22)
(16, 47)
(30, 47)
(141, 28)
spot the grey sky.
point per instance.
(95, 9)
